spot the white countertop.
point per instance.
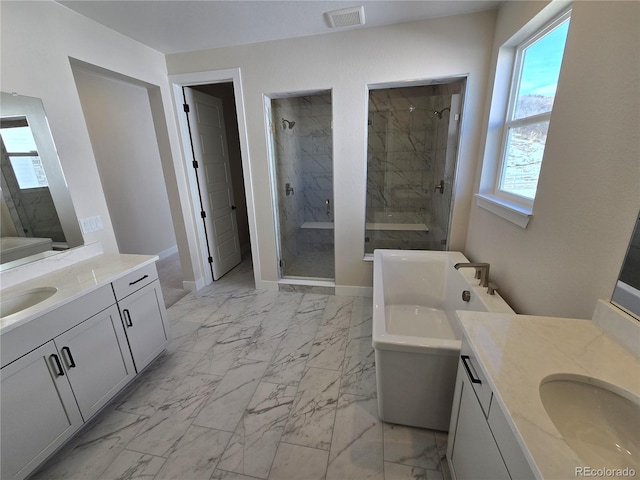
(72, 282)
(516, 352)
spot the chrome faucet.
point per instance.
(482, 271)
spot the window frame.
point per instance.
(515, 208)
(509, 122)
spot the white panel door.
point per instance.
(209, 139)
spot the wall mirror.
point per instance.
(626, 294)
(37, 217)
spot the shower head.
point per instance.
(287, 122)
(440, 112)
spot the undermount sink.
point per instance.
(599, 421)
(18, 302)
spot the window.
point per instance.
(21, 150)
(532, 93)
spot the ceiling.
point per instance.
(176, 26)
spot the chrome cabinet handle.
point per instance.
(327, 204)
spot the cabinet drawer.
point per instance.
(476, 377)
(134, 281)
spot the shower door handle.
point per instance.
(440, 186)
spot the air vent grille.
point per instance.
(346, 17)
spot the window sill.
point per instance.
(512, 212)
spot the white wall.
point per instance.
(346, 62)
(589, 189)
(118, 116)
(37, 41)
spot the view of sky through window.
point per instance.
(540, 64)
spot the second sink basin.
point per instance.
(17, 302)
(599, 421)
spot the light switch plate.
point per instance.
(91, 224)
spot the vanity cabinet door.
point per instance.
(96, 358)
(38, 413)
(475, 454)
(144, 319)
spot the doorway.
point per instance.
(215, 156)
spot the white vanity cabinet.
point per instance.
(480, 445)
(39, 411)
(143, 314)
(47, 394)
(61, 367)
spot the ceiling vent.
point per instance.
(345, 17)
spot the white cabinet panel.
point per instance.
(144, 319)
(510, 449)
(39, 411)
(475, 453)
(96, 359)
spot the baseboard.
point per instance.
(191, 286)
(351, 291)
(168, 252)
(266, 285)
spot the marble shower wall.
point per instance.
(304, 160)
(316, 142)
(406, 158)
(32, 210)
(288, 170)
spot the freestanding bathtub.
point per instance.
(416, 334)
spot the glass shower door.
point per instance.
(302, 145)
(411, 159)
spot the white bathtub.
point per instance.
(416, 334)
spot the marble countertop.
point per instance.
(516, 352)
(72, 282)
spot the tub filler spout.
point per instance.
(482, 271)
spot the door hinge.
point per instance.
(195, 164)
(281, 263)
(203, 214)
(210, 259)
(186, 107)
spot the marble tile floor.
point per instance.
(254, 385)
(312, 265)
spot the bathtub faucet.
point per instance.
(482, 271)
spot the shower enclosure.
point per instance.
(301, 144)
(411, 157)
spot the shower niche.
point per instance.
(301, 145)
(412, 146)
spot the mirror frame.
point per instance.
(625, 295)
(13, 105)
